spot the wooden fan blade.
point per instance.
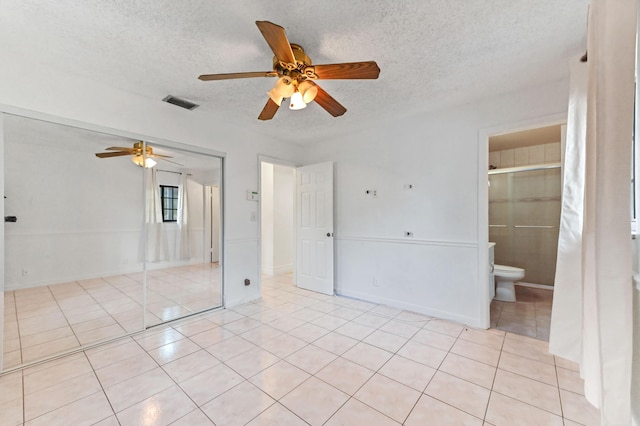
(269, 110)
(121, 148)
(277, 40)
(347, 70)
(112, 154)
(229, 76)
(327, 102)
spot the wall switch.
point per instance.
(408, 234)
(253, 196)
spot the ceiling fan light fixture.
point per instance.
(308, 91)
(141, 161)
(296, 102)
(283, 89)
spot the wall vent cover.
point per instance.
(180, 102)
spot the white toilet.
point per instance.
(505, 277)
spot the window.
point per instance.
(169, 197)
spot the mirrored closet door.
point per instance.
(183, 234)
(100, 246)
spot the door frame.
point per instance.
(484, 134)
(278, 162)
(209, 225)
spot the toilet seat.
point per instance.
(508, 271)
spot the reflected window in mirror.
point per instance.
(169, 198)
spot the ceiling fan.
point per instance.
(146, 161)
(296, 75)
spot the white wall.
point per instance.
(437, 271)
(78, 216)
(25, 85)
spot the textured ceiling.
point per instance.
(432, 53)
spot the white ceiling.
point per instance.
(432, 53)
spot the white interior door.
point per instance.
(314, 227)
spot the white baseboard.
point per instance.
(283, 269)
(420, 309)
(533, 285)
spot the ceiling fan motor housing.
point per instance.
(295, 70)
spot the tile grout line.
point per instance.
(101, 387)
(493, 382)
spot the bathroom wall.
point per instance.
(529, 198)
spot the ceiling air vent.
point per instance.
(180, 102)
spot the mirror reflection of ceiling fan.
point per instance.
(296, 75)
(147, 160)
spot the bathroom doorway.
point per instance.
(525, 182)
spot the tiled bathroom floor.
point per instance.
(529, 315)
(296, 357)
(43, 321)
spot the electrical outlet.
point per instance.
(408, 234)
(26, 272)
(371, 193)
(408, 186)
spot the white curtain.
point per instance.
(592, 311)
(183, 245)
(565, 339)
(156, 239)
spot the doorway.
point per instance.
(524, 200)
(277, 216)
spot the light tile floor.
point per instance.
(43, 321)
(529, 315)
(296, 357)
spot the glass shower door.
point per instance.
(524, 216)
